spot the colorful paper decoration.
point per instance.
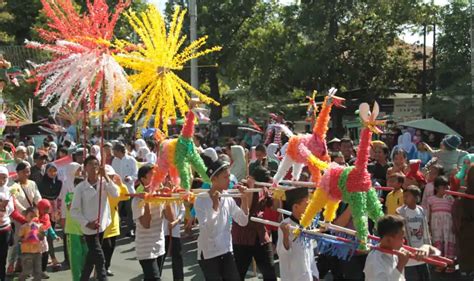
(82, 67)
(352, 184)
(155, 62)
(177, 156)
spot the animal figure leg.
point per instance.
(297, 169)
(181, 160)
(198, 165)
(160, 172)
(319, 199)
(285, 165)
(174, 176)
(330, 209)
(374, 207)
(358, 203)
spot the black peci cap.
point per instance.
(215, 167)
(294, 195)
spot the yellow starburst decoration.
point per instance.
(163, 93)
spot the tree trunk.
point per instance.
(216, 111)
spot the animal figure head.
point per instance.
(369, 119)
(332, 98)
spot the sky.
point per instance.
(406, 36)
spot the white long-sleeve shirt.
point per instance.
(297, 263)
(126, 167)
(5, 216)
(26, 196)
(215, 238)
(179, 210)
(85, 205)
(382, 267)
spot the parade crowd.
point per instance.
(60, 191)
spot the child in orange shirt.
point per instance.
(31, 236)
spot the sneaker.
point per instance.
(65, 265)
(44, 275)
(110, 273)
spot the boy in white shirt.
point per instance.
(213, 213)
(173, 240)
(90, 197)
(416, 231)
(297, 262)
(388, 267)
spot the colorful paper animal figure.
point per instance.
(309, 149)
(177, 156)
(351, 184)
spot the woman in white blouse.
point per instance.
(213, 212)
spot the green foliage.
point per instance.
(6, 18)
(273, 51)
(451, 101)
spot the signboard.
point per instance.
(407, 109)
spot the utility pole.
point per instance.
(424, 86)
(434, 52)
(193, 37)
(472, 53)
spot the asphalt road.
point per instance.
(126, 267)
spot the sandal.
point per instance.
(450, 269)
(56, 267)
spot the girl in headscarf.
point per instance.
(53, 150)
(72, 172)
(30, 151)
(405, 143)
(7, 212)
(50, 189)
(142, 154)
(95, 151)
(139, 144)
(238, 166)
(272, 150)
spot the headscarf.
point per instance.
(53, 149)
(95, 151)
(4, 171)
(271, 152)
(211, 153)
(405, 143)
(139, 144)
(150, 158)
(42, 205)
(238, 167)
(50, 188)
(30, 152)
(69, 177)
(142, 153)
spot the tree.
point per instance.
(5, 18)
(452, 101)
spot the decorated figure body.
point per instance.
(351, 184)
(309, 149)
(176, 156)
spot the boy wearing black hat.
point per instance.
(296, 257)
(215, 241)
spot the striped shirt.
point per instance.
(149, 243)
(443, 204)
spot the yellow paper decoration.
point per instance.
(154, 63)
